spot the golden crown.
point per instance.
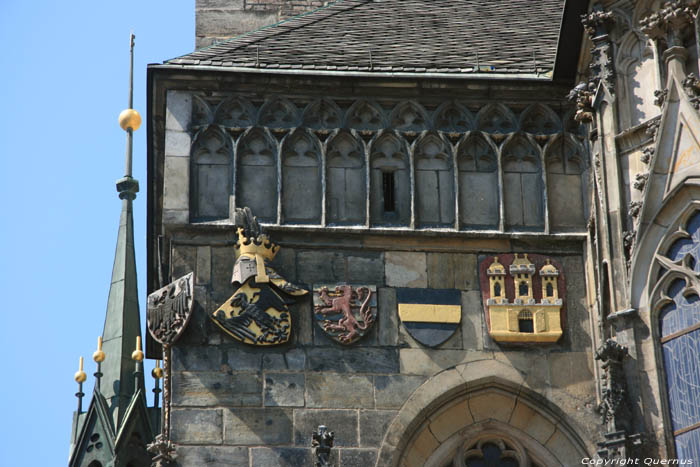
(251, 246)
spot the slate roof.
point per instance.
(401, 36)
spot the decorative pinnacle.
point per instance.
(157, 372)
(137, 355)
(80, 375)
(99, 355)
(129, 119)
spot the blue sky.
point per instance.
(64, 81)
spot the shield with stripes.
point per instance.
(430, 316)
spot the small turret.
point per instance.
(522, 270)
(497, 286)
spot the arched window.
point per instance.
(478, 183)
(212, 160)
(435, 196)
(256, 184)
(522, 184)
(525, 323)
(565, 163)
(679, 334)
(346, 181)
(301, 179)
(637, 78)
(390, 196)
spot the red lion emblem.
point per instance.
(348, 325)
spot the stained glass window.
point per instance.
(679, 323)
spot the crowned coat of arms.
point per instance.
(258, 311)
(345, 312)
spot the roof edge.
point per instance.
(570, 39)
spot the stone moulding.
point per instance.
(523, 298)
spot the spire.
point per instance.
(123, 321)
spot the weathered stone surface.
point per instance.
(284, 389)
(387, 317)
(358, 457)
(450, 420)
(177, 143)
(560, 445)
(176, 185)
(366, 268)
(302, 320)
(212, 456)
(423, 446)
(391, 391)
(577, 328)
(285, 263)
(183, 260)
(219, 4)
(294, 359)
(281, 457)
(196, 426)
(196, 331)
(239, 359)
(405, 269)
(222, 268)
(203, 271)
(572, 371)
(533, 364)
(205, 389)
(373, 425)
(178, 111)
(324, 390)
(472, 320)
(176, 216)
(441, 270)
(353, 360)
(466, 272)
(342, 422)
(228, 23)
(430, 361)
(531, 422)
(318, 266)
(196, 358)
(257, 426)
(491, 404)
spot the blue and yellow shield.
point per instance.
(430, 316)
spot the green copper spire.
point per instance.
(123, 321)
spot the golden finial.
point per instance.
(137, 354)
(80, 375)
(129, 119)
(157, 372)
(99, 355)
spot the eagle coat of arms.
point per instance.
(257, 313)
(170, 308)
(347, 313)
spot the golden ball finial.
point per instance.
(80, 375)
(129, 118)
(137, 354)
(157, 372)
(99, 355)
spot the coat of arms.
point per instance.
(257, 313)
(347, 313)
(169, 309)
(430, 316)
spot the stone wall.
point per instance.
(261, 405)
(218, 20)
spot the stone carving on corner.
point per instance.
(582, 96)
(346, 313)
(671, 22)
(597, 24)
(640, 181)
(258, 311)
(691, 84)
(321, 444)
(523, 297)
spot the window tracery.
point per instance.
(678, 312)
(389, 162)
(301, 179)
(346, 180)
(522, 184)
(479, 197)
(491, 451)
(434, 173)
(565, 163)
(212, 160)
(256, 185)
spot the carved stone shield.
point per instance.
(345, 313)
(170, 308)
(256, 314)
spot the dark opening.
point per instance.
(550, 290)
(497, 289)
(525, 325)
(388, 190)
(522, 290)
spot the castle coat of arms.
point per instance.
(347, 312)
(258, 311)
(170, 308)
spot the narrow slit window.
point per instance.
(550, 290)
(497, 290)
(388, 189)
(523, 289)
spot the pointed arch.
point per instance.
(390, 180)
(301, 178)
(434, 178)
(566, 163)
(256, 173)
(279, 113)
(479, 199)
(211, 168)
(496, 118)
(235, 112)
(409, 116)
(453, 117)
(322, 114)
(346, 179)
(638, 78)
(523, 189)
(539, 119)
(202, 113)
(365, 115)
